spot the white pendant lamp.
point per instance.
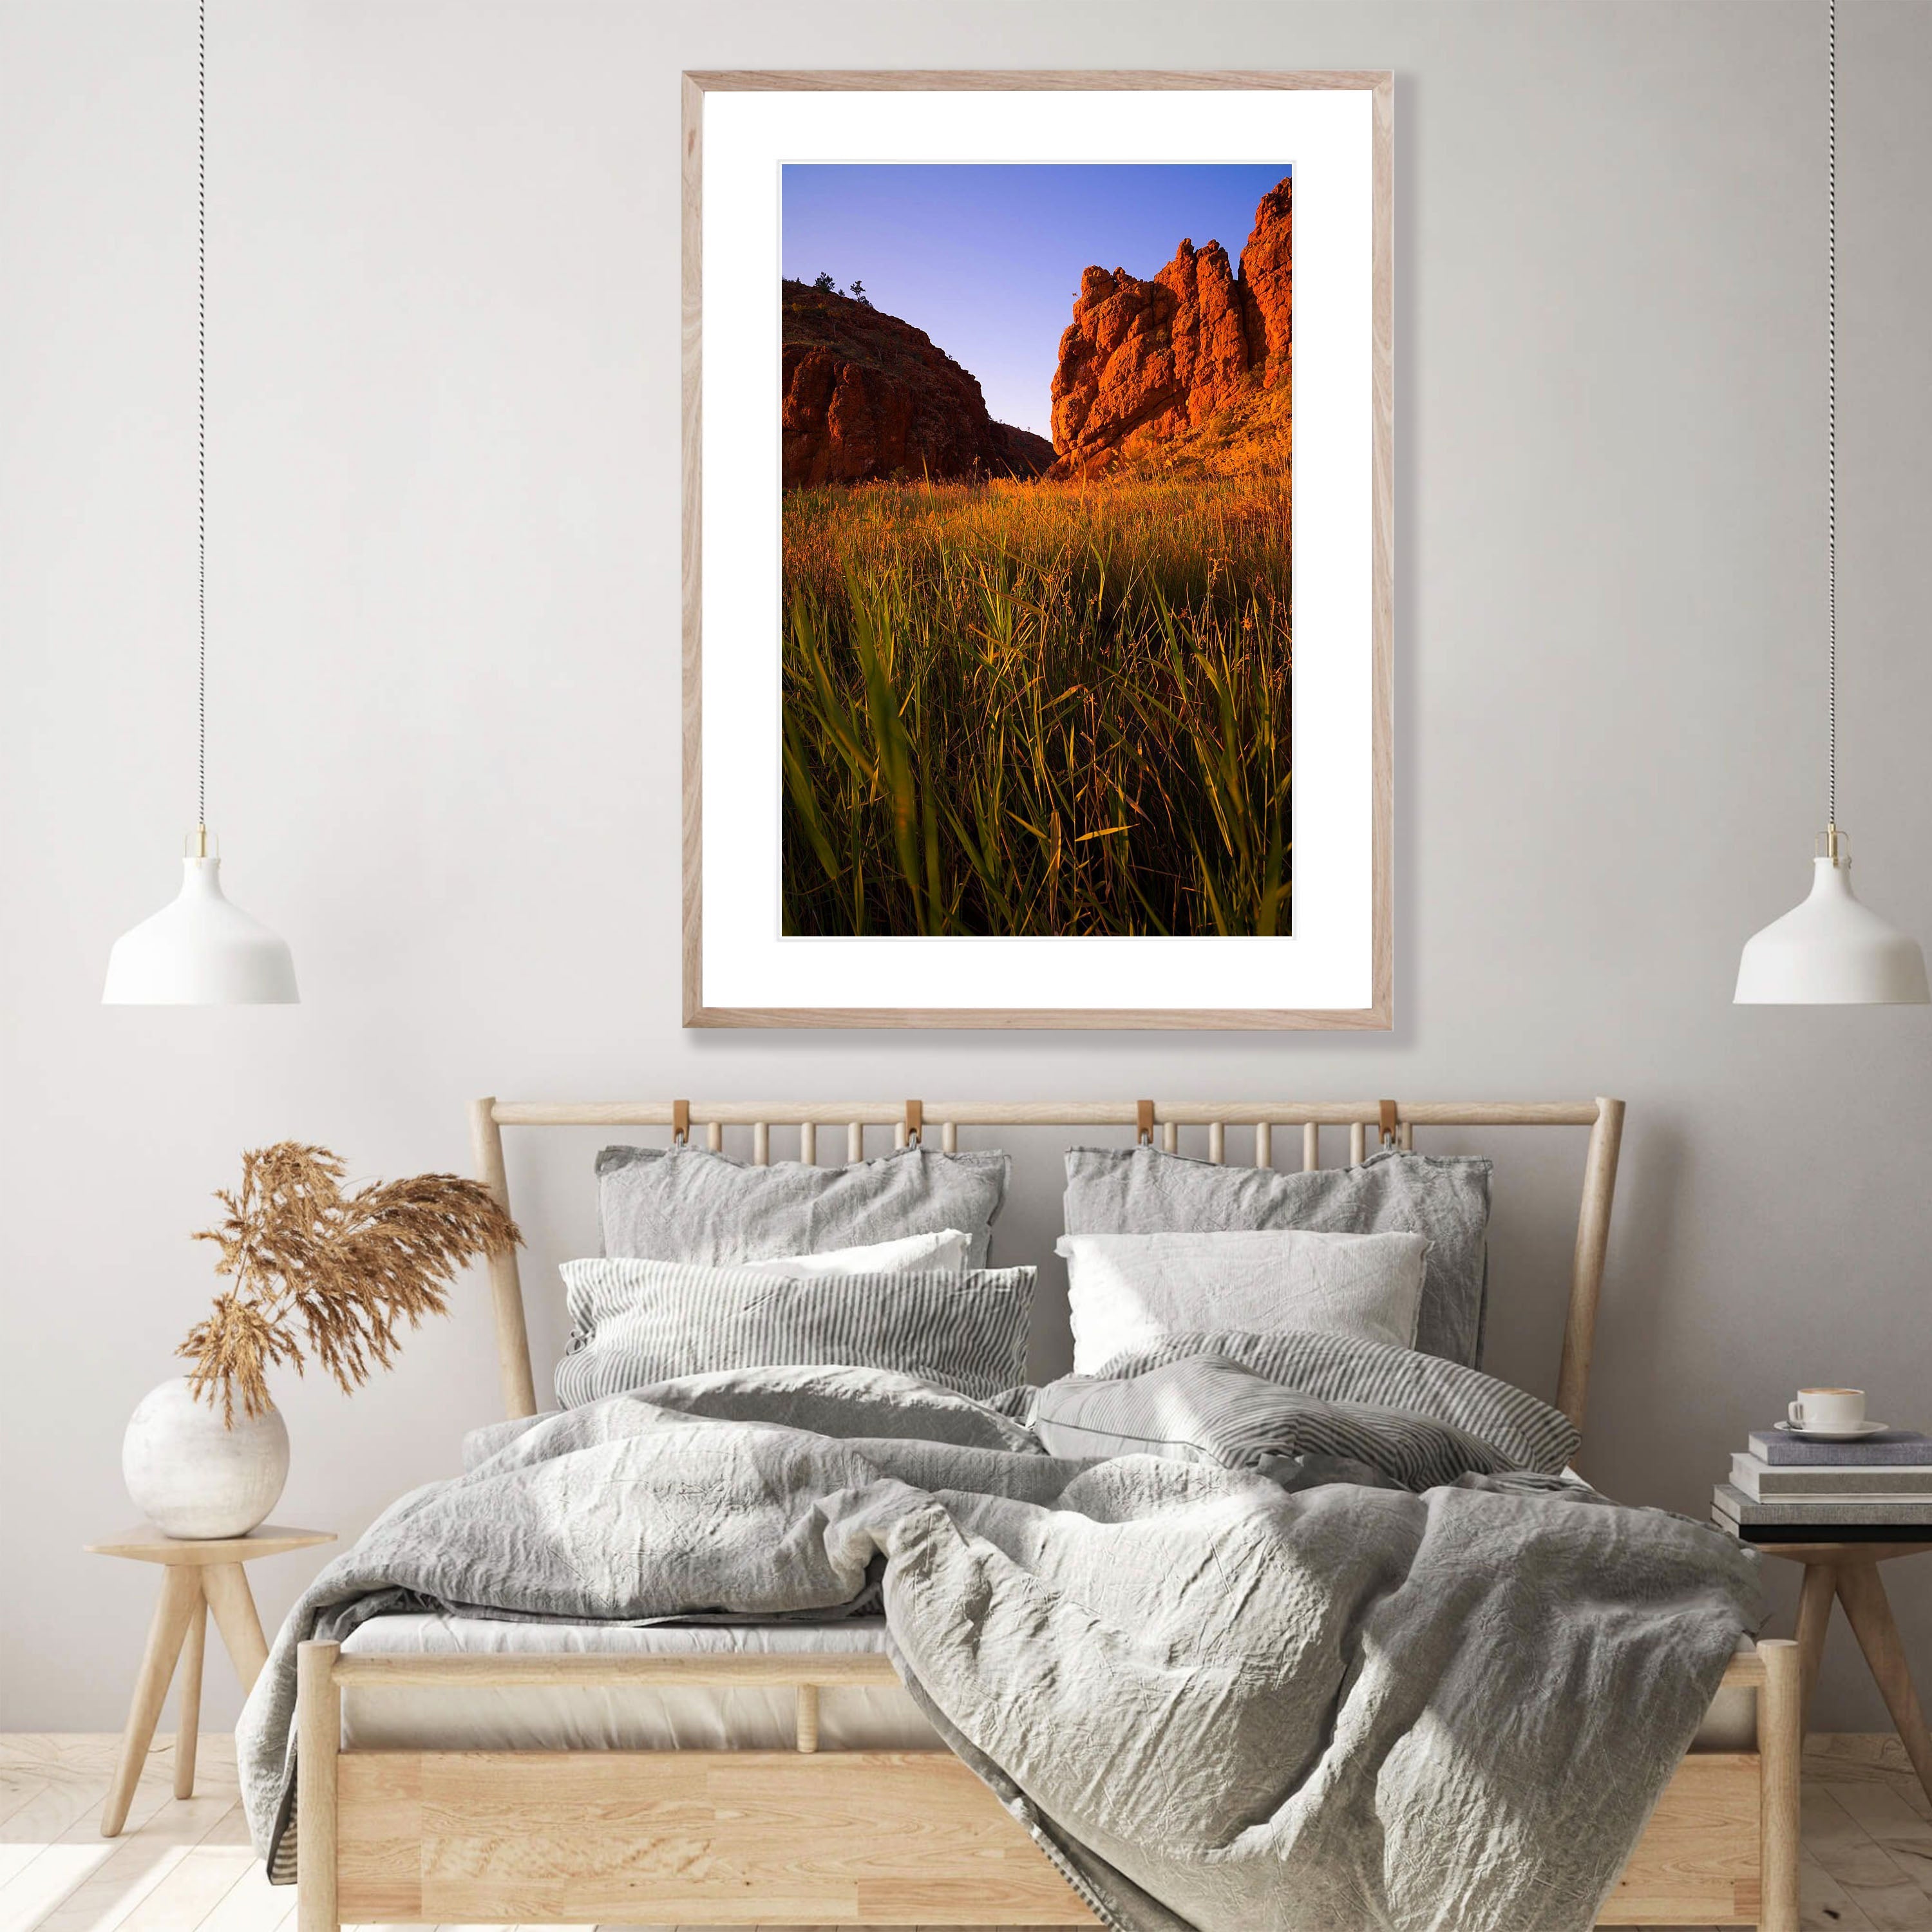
(200, 950)
(1832, 951)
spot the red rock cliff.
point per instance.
(867, 397)
(1143, 360)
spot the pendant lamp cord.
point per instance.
(201, 410)
(1831, 406)
(202, 414)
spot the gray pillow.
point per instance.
(633, 1323)
(1143, 1191)
(686, 1203)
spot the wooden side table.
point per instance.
(198, 1577)
(1847, 1572)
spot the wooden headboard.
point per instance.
(1394, 1122)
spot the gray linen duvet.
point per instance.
(1217, 1697)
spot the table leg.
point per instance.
(187, 1698)
(1862, 1593)
(1814, 1618)
(180, 1597)
(227, 1588)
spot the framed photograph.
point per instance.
(1038, 591)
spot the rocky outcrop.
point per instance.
(868, 397)
(1265, 277)
(1144, 360)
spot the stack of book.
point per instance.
(1785, 1488)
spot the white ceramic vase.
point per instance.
(192, 1476)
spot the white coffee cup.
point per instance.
(1830, 1411)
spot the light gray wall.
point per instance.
(443, 496)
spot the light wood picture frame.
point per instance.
(1335, 970)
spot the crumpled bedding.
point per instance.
(1217, 1697)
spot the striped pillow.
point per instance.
(636, 1322)
(1525, 1432)
(1206, 1408)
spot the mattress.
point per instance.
(631, 1717)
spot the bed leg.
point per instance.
(318, 1738)
(1780, 1747)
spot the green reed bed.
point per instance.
(1037, 709)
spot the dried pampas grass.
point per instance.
(337, 1272)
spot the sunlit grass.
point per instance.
(1037, 709)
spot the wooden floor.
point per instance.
(185, 1865)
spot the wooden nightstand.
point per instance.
(1846, 1570)
(199, 1577)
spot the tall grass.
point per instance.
(1021, 708)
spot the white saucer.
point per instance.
(1853, 1435)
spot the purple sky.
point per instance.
(987, 260)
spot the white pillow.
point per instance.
(943, 1252)
(1128, 1290)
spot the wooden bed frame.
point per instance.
(750, 1837)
